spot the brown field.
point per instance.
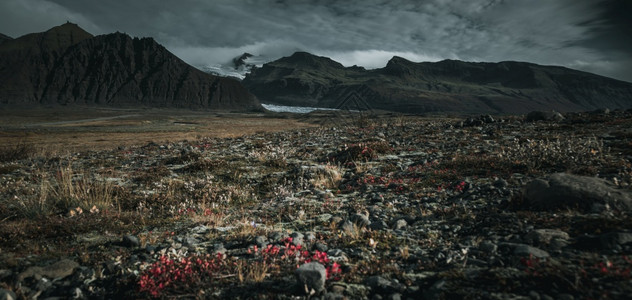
(63, 130)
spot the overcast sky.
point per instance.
(590, 35)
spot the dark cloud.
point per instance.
(590, 35)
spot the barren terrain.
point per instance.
(141, 204)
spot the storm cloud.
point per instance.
(587, 35)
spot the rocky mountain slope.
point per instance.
(4, 38)
(66, 66)
(448, 86)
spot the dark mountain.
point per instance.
(66, 65)
(447, 86)
(4, 38)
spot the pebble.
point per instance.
(7, 295)
(130, 241)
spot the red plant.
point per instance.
(168, 272)
(293, 254)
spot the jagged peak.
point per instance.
(69, 28)
(301, 58)
(398, 59)
(5, 37)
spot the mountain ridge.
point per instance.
(444, 86)
(68, 66)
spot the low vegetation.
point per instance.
(399, 198)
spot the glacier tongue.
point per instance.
(292, 109)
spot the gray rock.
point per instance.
(488, 246)
(610, 240)
(379, 225)
(261, 241)
(436, 291)
(311, 276)
(347, 226)
(7, 295)
(130, 241)
(394, 296)
(563, 190)
(544, 236)
(383, 285)
(360, 220)
(201, 229)
(324, 218)
(501, 183)
(219, 248)
(334, 296)
(526, 250)
(57, 270)
(310, 236)
(84, 274)
(400, 224)
(321, 247)
(4, 273)
(278, 236)
(544, 116)
(297, 238)
(77, 293)
(190, 242)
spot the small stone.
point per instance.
(400, 224)
(277, 236)
(43, 284)
(297, 238)
(311, 276)
(360, 220)
(534, 295)
(334, 296)
(4, 273)
(130, 241)
(565, 297)
(7, 295)
(347, 226)
(219, 249)
(381, 284)
(488, 246)
(150, 249)
(310, 236)
(557, 244)
(324, 218)
(190, 242)
(77, 293)
(501, 183)
(261, 241)
(321, 247)
(200, 230)
(84, 275)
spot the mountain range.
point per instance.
(68, 66)
(303, 79)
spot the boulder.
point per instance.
(60, 269)
(562, 190)
(311, 277)
(544, 116)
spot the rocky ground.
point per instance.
(392, 208)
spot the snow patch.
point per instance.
(293, 109)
